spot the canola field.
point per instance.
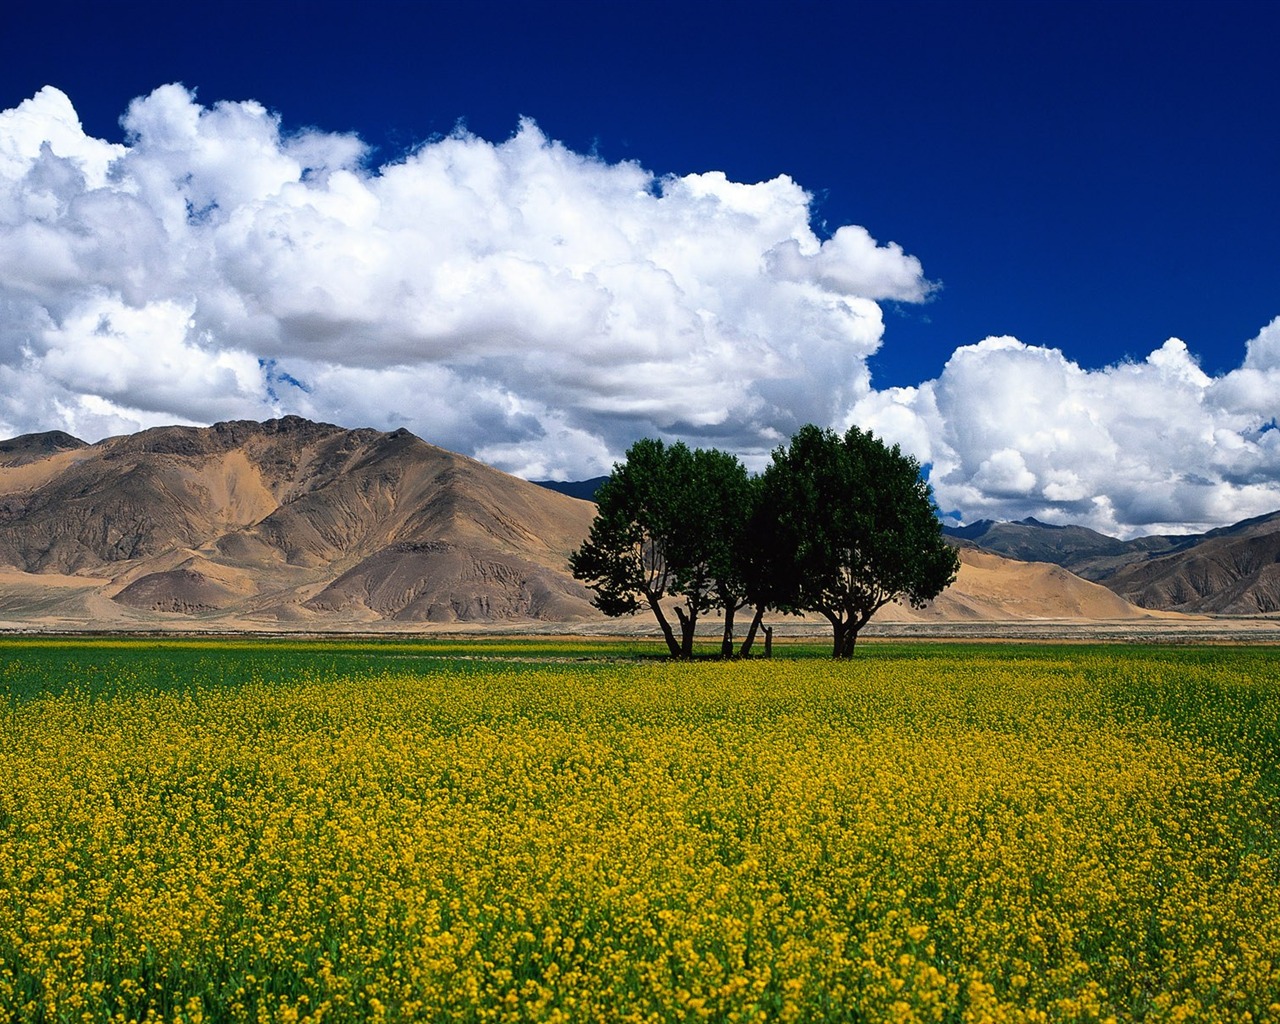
(440, 831)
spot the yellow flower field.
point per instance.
(952, 837)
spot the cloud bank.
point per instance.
(541, 309)
(536, 306)
(1012, 430)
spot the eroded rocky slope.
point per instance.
(289, 520)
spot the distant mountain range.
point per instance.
(584, 489)
(1234, 570)
(290, 524)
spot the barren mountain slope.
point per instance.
(19, 451)
(440, 582)
(296, 524)
(992, 588)
(256, 519)
(141, 495)
(1232, 571)
(1087, 553)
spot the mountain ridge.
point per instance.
(267, 517)
(17, 451)
(291, 524)
(1229, 570)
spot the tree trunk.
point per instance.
(669, 636)
(845, 634)
(726, 641)
(850, 639)
(751, 632)
(768, 641)
(839, 628)
(854, 627)
(688, 622)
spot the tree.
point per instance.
(714, 502)
(763, 569)
(667, 525)
(847, 525)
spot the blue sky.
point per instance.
(1091, 179)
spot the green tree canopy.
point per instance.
(838, 525)
(845, 525)
(668, 524)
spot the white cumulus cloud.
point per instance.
(519, 300)
(1011, 430)
(541, 309)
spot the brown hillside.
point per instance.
(257, 519)
(1234, 571)
(441, 582)
(19, 451)
(991, 588)
(294, 524)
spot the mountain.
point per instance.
(284, 521)
(1087, 553)
(584, 489)
(1231, 570)
(1234, 570)
(290, 524)
(992, 588)
(19, 451)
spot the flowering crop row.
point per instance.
(969, 837)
